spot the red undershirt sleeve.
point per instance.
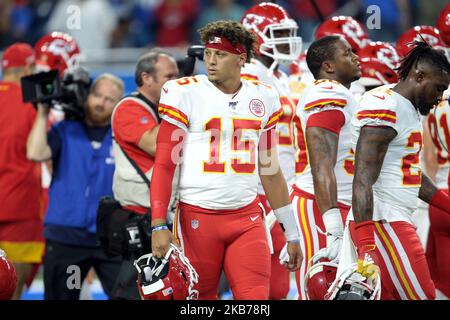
(163, 169)
(332, 120)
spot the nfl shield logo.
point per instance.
(194, 224)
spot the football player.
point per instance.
(321, 196)
(388, 180)
(227, 127)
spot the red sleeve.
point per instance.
(332, 120)
(131, 121)
(164, 168)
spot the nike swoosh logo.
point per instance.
(329, 87)
(254, 218)
(165, 90)
(379, 97)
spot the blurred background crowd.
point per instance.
(172, 23)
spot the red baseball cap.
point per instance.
(18, 55)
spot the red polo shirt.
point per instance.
(20, 179)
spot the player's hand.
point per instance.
(291, 256)
(367, 265)
(368, 262)
(335, 232)
(161, 240)
(334, 245)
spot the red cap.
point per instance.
(18, 55)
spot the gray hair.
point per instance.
(146, 63)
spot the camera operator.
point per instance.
(21, 214)
(135, 127)
(83, 167)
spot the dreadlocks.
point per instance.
(422, 51)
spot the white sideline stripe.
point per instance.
(392, 273)
(405, 261)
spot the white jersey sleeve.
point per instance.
(377, 108)
(324, 95)
(172, 104)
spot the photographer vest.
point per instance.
(128, 186)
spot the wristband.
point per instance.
(365, 236)
(160, 227)
(333, 222)
(286, 217)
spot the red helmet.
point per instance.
(430, 34)
(170, 278)
(8, 278)
(378, 63)
(265, 19)
(319, 278)
(57, 50)
(352, 30)
(443, 25)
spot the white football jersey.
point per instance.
(219, 168)
(395, 193)
(439, 124)
(255, 70)
(321, 96)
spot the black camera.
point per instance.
(68, 94)
(193, 52)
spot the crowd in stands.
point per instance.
(173, 23)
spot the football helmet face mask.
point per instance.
(443, 25)
(351, 285)
(57, 51)
(352, 30)
(276, 32)
(170, 278)
(8, 278)
(378, 63)
(428, 33)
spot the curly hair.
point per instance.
(233, 31)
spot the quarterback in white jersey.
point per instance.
(223, 135)
(228, 144)
(388, 179)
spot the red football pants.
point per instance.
(311, 241)
(235, 242)
(279, 275)
(437, 251)
(403, 266)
